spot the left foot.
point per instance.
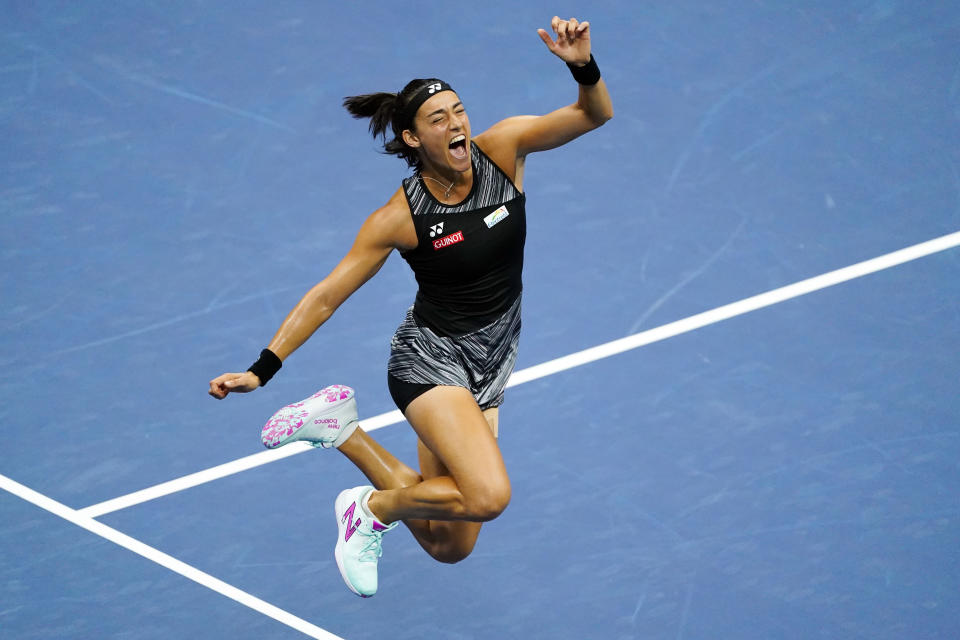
(358, 547)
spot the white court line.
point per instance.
(223, 470)
(566, 362)
(164, 560)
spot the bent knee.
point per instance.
(451, 553)
(452, 541)
(489, 503)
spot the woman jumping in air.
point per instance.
(459, 221)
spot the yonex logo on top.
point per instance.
(436, 229)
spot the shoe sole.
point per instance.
(288, 424)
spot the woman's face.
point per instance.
(441, 132)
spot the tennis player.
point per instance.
(459, 221)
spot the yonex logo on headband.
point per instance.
(423, 94)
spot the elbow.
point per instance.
(600, 117)
(606, 114)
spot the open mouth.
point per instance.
(458, 147)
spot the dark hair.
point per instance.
(387, 110)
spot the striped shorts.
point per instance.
(480, 361)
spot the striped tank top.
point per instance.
(469, 258)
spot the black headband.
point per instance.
(425, 92)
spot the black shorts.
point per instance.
(403, 393)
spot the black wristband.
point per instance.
(588, 74)
(266, 365)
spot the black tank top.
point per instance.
(469, 257)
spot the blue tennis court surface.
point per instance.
(173, 177)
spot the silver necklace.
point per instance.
(446, 189)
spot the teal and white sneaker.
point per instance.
(358, 544)
(325, 419)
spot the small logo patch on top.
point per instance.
(496, 216)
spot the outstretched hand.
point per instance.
(236, 382)
(573, 40)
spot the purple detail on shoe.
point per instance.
(334, 393)
(348, 518)
(379, 527)
(330, 423)
(285, 423)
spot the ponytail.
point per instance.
(389, 110)
(379, 107)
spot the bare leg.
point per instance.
(446, 541)
(379, 465)
(385, 471)
(450, 540)
(464, 475)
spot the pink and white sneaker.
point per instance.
(325, 419)
(359, 539)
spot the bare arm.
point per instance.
(510, 140)
(382, 232)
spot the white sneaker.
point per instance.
(325, 419)
(358, 544)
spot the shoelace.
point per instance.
(372, 551)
